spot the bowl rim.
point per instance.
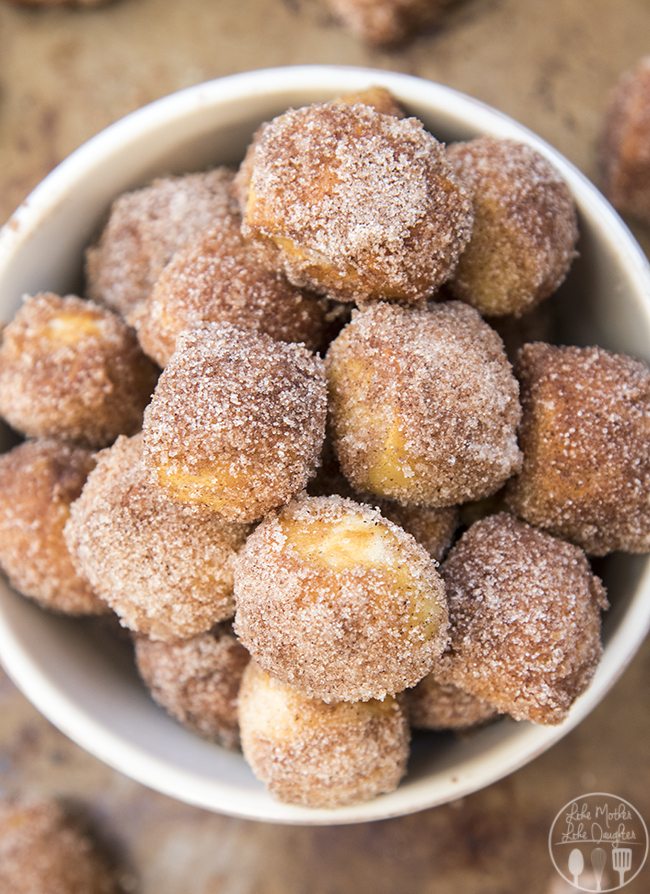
(134, 761)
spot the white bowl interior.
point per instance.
(77, 677)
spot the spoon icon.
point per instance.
(598, 860)
(576, 865)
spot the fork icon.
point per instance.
(622, 862)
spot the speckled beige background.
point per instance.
(63, 76)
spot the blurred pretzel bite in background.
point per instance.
(43, 848)
(625, 144)
(388, 22)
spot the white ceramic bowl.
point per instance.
(90, 691)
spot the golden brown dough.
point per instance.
(424, 405)
(525, 227)
(145, 228)
(338, 601)
(585, 434)
(165, 569)
(72, 370)
(379, 98)
(524, 611)
(318, 755)
(354, 204)
(197, 680)
(38, 482)
(237, 421)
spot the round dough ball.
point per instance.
(353, 203)
(387, 22)
(524, 610)
(440, 706)
(585, 434)
(145, 228)
(43, 850)
(166, 570)
(318, 755)
(625, 151)
(197, 680)
(218, 279)
(237, 421)
(525, 227)
(72, 370)
(38, 482)
(424, 405)
(338, 601)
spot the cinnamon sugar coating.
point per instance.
(525, 227)
(524, 611)
(338, 601)
(38, 482)
(44, 850)
(237, 421)
(585, 435)
(319, 755)
(72, 370)
(217, 278)
(354, 204)
(424, 406)
(625, 144)
(387, 22)
(438, 705)
(145, 228)
(197, 680)
(165, 569)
